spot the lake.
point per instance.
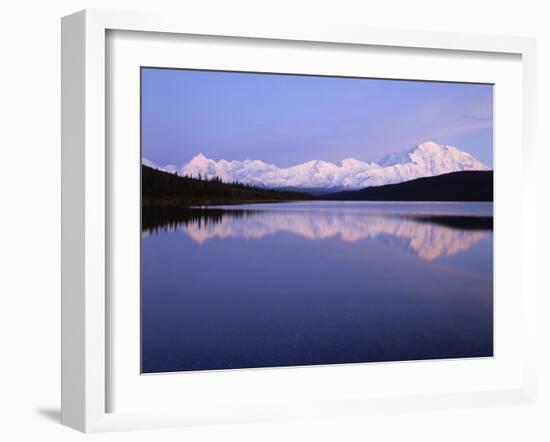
(266, 285)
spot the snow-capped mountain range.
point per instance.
(426, 159)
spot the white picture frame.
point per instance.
(85, 202)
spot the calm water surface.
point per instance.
(315, 283)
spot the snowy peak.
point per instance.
(444, 156)
(426, 159)
(430, 149)
(199, 159)
(430, 146)
(420, 153)
(200, 165)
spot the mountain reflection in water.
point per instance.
(429, 234)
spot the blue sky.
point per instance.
(289, 119)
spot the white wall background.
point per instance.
(30, 219)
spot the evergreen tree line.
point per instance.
(170, 218)
(161, 188)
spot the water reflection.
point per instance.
(315, 283)
(428, 235)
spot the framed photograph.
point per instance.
(270, 223)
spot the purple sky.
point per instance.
(289, 119)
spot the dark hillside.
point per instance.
(455, 186)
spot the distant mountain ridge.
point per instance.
(426, 159)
